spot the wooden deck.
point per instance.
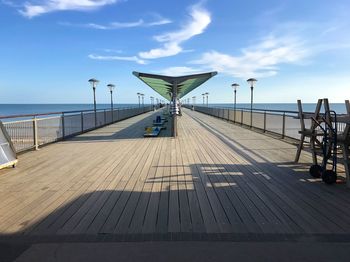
(215, 181)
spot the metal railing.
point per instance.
(34, 130)
(285, 124)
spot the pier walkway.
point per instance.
(215, 181)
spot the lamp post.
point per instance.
(139, 95)
(203, 98)
(252, 82)
(207, 94)
(235, 86)
(111, 88)
(94, 83)
(142, 96)
(152, 102)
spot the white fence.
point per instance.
(282, 123)
(47, 128)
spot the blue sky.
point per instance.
(295, 48)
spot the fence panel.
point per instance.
(89, 121)
(274, 123)
(258, 120)
(72, 124)
(49, 129)
(21, 133)
(246, 118)
(100, 118)
(231, 115)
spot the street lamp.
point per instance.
(152, 102)
(143, 95)
(203, 98)
(207, 94)
(139, 95)
(252, 82)
(235, 86)
(111, 88)
(94, 83)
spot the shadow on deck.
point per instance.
(125, 129)
(203, 186)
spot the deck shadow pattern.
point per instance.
(212, 183)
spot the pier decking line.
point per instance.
(214, 181)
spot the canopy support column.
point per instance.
(174, 109)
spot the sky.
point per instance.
(296, 49)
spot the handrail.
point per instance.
(65, 112)
(259, 110)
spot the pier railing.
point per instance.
(34, 130)
(285, 124)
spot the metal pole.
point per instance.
(63, 129)
(35, 133)
(94, 88)
(139, 102)
(112, 104)
(234, 108)
(82, 121)
(251, 106)
(284, 125)
(174, 94)
(207, 100)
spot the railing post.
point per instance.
(284, 125)
(112, 117)
(105, 116)
(82, 121)
(35, 133)
(251, 119)
(234, 115)
(63, 129)
(264, 121)
(241, 117)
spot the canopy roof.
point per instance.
(164, 85)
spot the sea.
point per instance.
(25, 109)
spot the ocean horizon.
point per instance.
(25, 109)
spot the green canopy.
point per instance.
(164, 85)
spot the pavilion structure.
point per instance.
(174, 88)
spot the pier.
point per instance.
(215, 181)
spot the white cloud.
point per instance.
(200, 19)
(122, 58)
(120, 25)
(32, 9)
(178, 71)
(260, 60)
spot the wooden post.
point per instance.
(264, 121)
(35, 133)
